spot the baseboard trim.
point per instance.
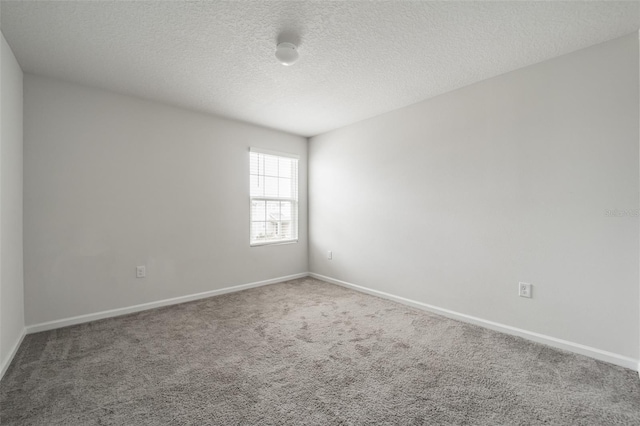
(5, 365)
(578, 348)
(52, 325)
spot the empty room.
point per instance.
(320, 213)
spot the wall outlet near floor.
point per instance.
(524, 289)
(329, 255)
(141, 271)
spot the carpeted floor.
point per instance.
(304, 353)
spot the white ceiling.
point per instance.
(357, 59)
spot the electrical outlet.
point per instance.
(524, 289)
(141, 271)
(329, 255)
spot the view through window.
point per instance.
(274, 197)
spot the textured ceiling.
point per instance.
(357, 59)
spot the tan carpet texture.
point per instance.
(304, 352)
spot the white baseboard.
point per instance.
(578, 348)
(595, 353)
(5, 365)
(52, 325)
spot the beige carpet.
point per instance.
(304, 353)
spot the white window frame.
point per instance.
(293, 199)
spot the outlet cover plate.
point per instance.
(141, 271)
(524, 289)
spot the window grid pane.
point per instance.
(274, 196)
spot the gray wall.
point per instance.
(112, 182)
(11, 281)
(454, 200)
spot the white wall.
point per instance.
(11, 277)
(454, 200)
(112, 182)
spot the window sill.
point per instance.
(273, 243)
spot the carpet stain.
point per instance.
(363, 350)
(401, 345)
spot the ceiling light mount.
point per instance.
(287, 53)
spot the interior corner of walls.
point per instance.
(5, 363)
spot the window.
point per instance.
(274, 197)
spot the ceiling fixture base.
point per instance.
(287, 53)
